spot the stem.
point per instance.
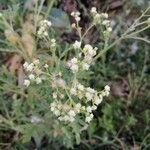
(51, 2)
(138, 38)
(86, 32)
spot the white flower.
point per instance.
(78, 105)
(74, 68)
(46, 66)
(60, 118)
(38, 80)
(54, 95)
(71, 113)
(107, 88)
(93, 10)
(72, 64)
(45, 33)
(90, 90)
(73, 13)
(26, 83)
(25, 65)
(89, 118)
(106, 22)
(77, 18)
(105, 15)
(83, 107)
(52, 109)
(77, 45)
(74, 60)
(76, 15)
(66, 118)
(88, 47)
(60, 82)
(30, 67)
(94, 107)
(109, 29)
(98, 100)
(53, 104)
(49, 23)
(85, 66)
(35, 119)
(31, 77)
(53, 42)
(57, 112)
(73, 25)
(80, 87)
(89, 109)
(36, 61)
(73, 91)
(89, 96)
(71, 119)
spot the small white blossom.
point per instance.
(53, 42)
(98, 100)
(73, 91)
(26, 83)
(38, 80)
(94, 107)
(31, 77)
(107, 88)
(77, 45)
(89, 109)
(71, 119)
(36, 61)
(35, 119)
(78, 105)
(85, 66)
(30, 67)
(46, 66)
(73, 25)
(76, 15)
(89, 96)
(109, 29)
(80, 87)
(93, 10)
(71, 113)
(25, 65)
(54, 95)
(57, 112)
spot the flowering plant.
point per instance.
(57, 97)
(72, 103)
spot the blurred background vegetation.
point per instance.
(123, 121)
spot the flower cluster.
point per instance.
(53, 42)
(65, 112)
(101, 18)
(88, 53)
(77, 45)
(76, 15)
(71, 101)
(73, 65)
(43, 32)
(89, 97)
(34, 72)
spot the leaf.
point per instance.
(15, 67)
(28, 43)
(14, 63)
(60, 19)
(21, 76)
